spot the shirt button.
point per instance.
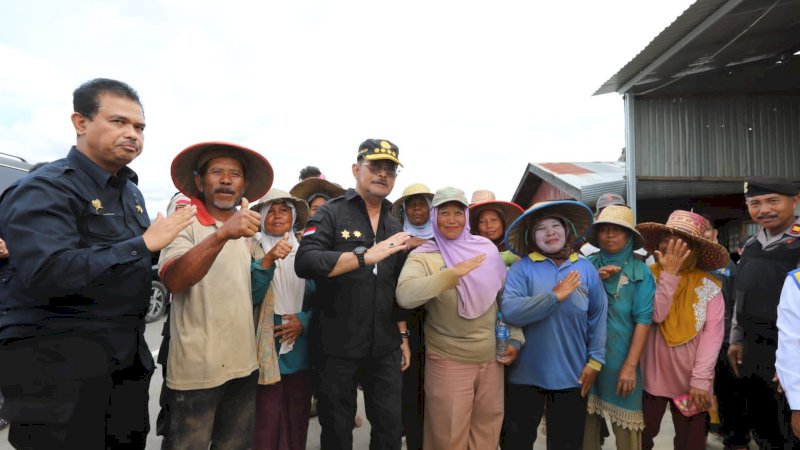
(134, 253)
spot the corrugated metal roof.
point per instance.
(584, 181)
(717, 38)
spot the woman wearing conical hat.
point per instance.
(556, 296)
(413, 209)
(283, 398)
(688, 317)
(490, 218)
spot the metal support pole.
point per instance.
(630, 153)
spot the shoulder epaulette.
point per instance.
(795, 274)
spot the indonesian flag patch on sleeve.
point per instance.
(309, 231)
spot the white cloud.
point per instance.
(470, 91)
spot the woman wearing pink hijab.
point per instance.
(458, 277)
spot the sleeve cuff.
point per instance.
(595, 364)
(131, 250)
(515, 343)
(700, 384)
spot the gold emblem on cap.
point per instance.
(745, 187)
(357, 234)
(98, 205)
(346, 234)
(386, 145)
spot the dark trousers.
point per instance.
(413, 384)
(282, 413)
(565, 411)
(70, 398)
(771, 416)
(223, 414)
(690, 432)
(731, 404)
(382, 382)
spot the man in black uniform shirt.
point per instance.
(353, 248)
(767, 257)
(72, 309)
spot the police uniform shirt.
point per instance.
(78, 261)
(768, 243)
(355, 314)
(787, 362)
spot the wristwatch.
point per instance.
(360, 252)
(405, 333)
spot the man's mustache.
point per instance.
(224, 190)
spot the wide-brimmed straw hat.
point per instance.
(576, 212)
(315, 185)
(689, 227)
(508, 210)
(411, 190)
(278, 195)
(482, 195)
(616, 215)
(258, 171)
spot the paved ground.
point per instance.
(360, 435)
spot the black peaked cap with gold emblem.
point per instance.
(375, 149)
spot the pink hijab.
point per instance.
(478, 289)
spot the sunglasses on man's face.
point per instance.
(376, 168)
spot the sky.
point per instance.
(471, 92)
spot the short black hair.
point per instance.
(309, 172)
(86, 99)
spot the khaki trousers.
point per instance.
(463, 404)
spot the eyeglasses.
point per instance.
(391, 169)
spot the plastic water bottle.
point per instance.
(501, 334)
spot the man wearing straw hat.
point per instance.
(353, 249)
(767, 257)
(212, 367)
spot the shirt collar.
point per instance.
(352, 194)
(538, 257)
(792, 230)
(77, 159)
(203, 216)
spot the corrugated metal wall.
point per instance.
(720, 137)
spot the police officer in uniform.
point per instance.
(767, 257)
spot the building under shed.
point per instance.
(714, 98)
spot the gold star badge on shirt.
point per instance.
(346, 234)
(139, 209)
(98, 205)
(357, 234)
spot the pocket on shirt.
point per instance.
(580, 298)
(107, 226)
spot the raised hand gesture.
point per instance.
(278, 251)
(164, 229)
(468, 265)
(676, 254)
(243, 223)
(387, 247)
(607, 272)
(567, 286)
